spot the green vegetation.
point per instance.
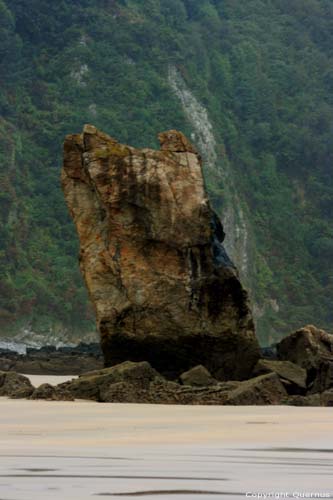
(263, 70)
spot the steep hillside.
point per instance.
(251, 81)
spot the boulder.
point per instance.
(311, 349)
(51, 393)
(15, 385)
(292, 376)
(262, 390)
(151, 252)
(94, 385)
(198, 376)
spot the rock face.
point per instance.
(151, 253)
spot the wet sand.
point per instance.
(85, 450)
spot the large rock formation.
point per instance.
(162, 285)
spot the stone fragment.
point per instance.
(94, 385)
(51, 393)
(198, 376)
(294, 375)
(262, 390)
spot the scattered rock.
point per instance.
(198, 376)
(96, 384)
(51, 393)
(15, 385)
(263, 390)
(131, 382)
(312, 349)
(292, 376)
(297, 400)
(307, 347)
(151, 251)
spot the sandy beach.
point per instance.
(85, 450)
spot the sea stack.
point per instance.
(151, 253)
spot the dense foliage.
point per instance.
(262, 68)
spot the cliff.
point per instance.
(151, 252)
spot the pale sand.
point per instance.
(37, 380)
(84, 450)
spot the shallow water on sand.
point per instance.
(85, 450)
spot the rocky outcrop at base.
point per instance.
(52, 361)
(131, 382)
(152, 255)
(274, 382)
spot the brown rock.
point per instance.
(263, 390)
(297, 400)
(51, 393)
(307, 347)
(292, 376)
(94, 385)
(312, 349)
(151, 253)
(198, 376)
(124, 392)
(15, 385)
(139, 383)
